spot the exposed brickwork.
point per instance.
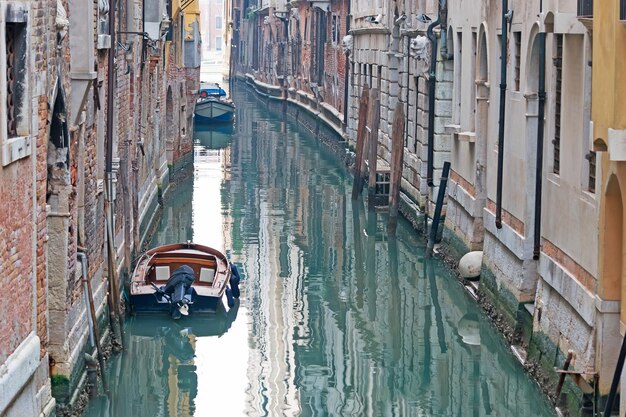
(463, 183)
(570, 265)
(507, 218)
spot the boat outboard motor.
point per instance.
(178, 288)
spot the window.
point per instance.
(591, 184)
(472, 116)
(622, 9)
(585, 8)
(517, 39)
(14, 87)
(383, 183)
(458, 77)
(558, 70)
(218, 22)
(336, 30)
(218, 43)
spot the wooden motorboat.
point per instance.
(183, 278)
(213, 106)
(215, 110)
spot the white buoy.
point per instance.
(470, 264)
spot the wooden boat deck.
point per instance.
(211, 269)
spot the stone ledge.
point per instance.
(18, 369)
(468, 202)
(507, 235)
(568, 287)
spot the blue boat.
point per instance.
(183, 279)
(213, 106)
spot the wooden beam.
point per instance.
(397, 161)
(360, 143)
(373, 145)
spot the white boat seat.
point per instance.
(207, 275)
(162, 273)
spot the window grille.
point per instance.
(558, 67)
(11, 79)
(591, 184)
(517, 38)
(383, 183)
(585, 8)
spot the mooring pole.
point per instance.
(616, 377)
(438, 207)
(397, 160)
(360, 142)
(559, 385)
(372, 152)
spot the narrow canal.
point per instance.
(334, 319)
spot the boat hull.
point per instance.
(149, 304)
(214, 111)
(156, 281)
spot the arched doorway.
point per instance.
(481, 122)
(612, 285)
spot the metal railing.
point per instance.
(585, 8)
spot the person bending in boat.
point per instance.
(178, 290)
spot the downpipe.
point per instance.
(445, 55)
(346, 79)
(503, 74)
(432, 80)
(540, 134)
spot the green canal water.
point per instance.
(335, 319)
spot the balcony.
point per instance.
(585, 8)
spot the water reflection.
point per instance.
(336, 318)
(158, 374)
(213, 136)
(345, 321)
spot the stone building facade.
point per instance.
(54, 172)
(547, 216)
(28, 88)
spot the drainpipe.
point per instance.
(110, 93)
(444, 32)
(407, 86)
(432, 80)
(540, 128)
(445, 55)
(346, 80)
(503, 63)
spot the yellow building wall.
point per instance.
(609, 112)
(190, 10)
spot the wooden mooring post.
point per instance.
(374, 117)
(434, 227)
(360, 142)
(397, 160)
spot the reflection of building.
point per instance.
(167, 382)
(346, 322)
